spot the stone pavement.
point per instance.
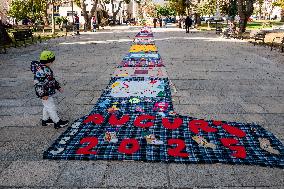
(215, 79)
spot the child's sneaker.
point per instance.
(47, 122)
(61, 124)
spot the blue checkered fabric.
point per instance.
(67, 145)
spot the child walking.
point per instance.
(46, 86)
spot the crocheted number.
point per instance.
(92, 142)
(125, 150)
(176, 152)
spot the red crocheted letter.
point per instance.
(176, 124)
(123, 146)
(234, 130)
(240, 150)
(115, 122)
(141, 118)
(94, 118)
(195, 125)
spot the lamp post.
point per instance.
(72, 7)
(52, 18)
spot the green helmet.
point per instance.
(47, 57)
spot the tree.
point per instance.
(233, 9)
(149, 8)
(260, 5)
(33, 9)
(19, 9)
(87, 16)
(115, 12)
(165, 11)
(207, 7)
(179, 6)
(245, 10)
(280, 3)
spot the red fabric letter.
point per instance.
(141, 118)
(234, 130)
(176, 152)
(94, 118)
(240, 150)
(217, 123)
(194, 125)
(122, 147)
(114, 121)
(176, 124)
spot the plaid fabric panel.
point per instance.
(187, 146)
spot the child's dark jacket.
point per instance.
(44, 81)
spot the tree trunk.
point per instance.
(45, 16)
(85, 15)
(245, 9)
(88, 17)
(282, 15)
(117, 11)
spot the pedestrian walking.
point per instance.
(94, 23)
(160, 22)
(188, 24)
(45, 87)
(155, 22)
(165, 22)
(77, 23)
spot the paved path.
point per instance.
(215, 79)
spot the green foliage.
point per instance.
(179, 6)
(207, 7)
(33, 9)
(19, 9)
(279, 3)
(165, 11)
(233, 8)
(77, 3)
(58, 20)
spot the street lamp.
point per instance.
(52, 17)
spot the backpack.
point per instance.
(35, 65)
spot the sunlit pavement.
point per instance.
(215, 78)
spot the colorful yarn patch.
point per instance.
(143, 48)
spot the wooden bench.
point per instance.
(23, 35)
(278, 41)
(258, 36)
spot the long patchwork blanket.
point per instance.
(134, 119)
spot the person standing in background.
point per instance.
(77, 23)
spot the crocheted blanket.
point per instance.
(134, 119)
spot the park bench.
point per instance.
(257, 36)
(278, 42)
(23, 35)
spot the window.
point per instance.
(69, 13)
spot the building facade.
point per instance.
(65, 7)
